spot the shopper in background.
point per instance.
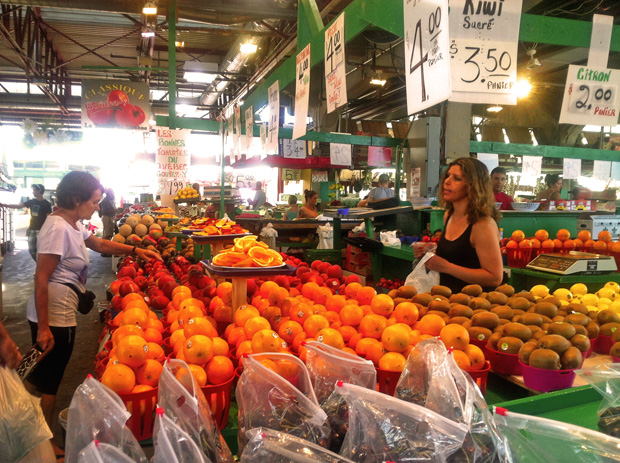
(468, 251)
(309, 211)
(293, 209)
(40, 208)
(107, 212)
(554, 186)
(383, 191)
(9, 352)
(63, 258)
(498, 180)
(259, 197)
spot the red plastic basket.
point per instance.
(480, 376)
(547, 380)
(518, 258)
(591, 349)
(482, 344)
(387, 381)
(504, 364)
(166, 346)
(603, 344)
(219, 399)
(615, 359)
(616, 256)
(141, 405)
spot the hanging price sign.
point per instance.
(249, 130)
(302, 92)
(319, 176)
(591, 96)
(532, 166)
(274, 118)
(335, 77)
(601, 170)
(427, 64)
(339, 154)
(293, 149)
(483, 50)
(571, 169)
(291, 175)
(237, 132)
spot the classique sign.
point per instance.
(115, 104)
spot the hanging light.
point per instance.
(248, 48)
(523, 88)
(149, 8)
(377, 79)
(533, 62)
(148, 32)
(494, 109)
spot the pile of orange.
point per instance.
(247, 252)
(563, 241)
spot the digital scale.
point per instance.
(583, 263)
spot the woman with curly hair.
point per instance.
(468, 251)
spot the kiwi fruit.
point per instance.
(577, 319)
(495, 297)
(539, 334)
(506, 289)
(480, 333)
(485, 319)
(503, 311)
(466, 324)
(580, 329)
(517, 330)
(575, 307)
(518, 312)
(534, 329)
(460, 298)
(581, 342)
(424, 299)
(571, 359)
(459, 310)
(553, 300)
(563, 329)
(545, 326)
(608, 329)
(546, 308)
(530, 319)
(479, 303)
(593, 330)
(441, 291)
(593, 314)
(562, 313)
(615, 350)
(407, 291)
(474, 312)
(393, 293)
(527, 295)
(526, 350)
(555, 342)
(398, 300)
(492, 342)
(607, 316)
(458, 320)
(558, 319)
(472, 290)
(519, 303)
(509, 345)
(545, 359)
(503, 321)
(616, 336)
(442, 306)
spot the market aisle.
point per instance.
(17, 286)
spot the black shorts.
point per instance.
(47, 375)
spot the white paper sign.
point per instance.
(249, 131)
(335, 76)
(302, 92)
(293, 149)
(600, 40)
(274, 118)
(532, 166)
(263, 140)
(591, 96)
(491, 160)
(427, 62)
(601, 170)
(173, 160)
(484, 39)
(572, 169)
(615, 170)
(319, 176)
(339, 154)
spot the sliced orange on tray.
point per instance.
(247, 252)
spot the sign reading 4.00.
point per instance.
(427, 57)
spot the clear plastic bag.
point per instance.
(432, 379)
(98, 413)
(42, 453)
(422, 278)
(530, 439)
(389, 238)
(267, 445)
(328, 365)
(190, 411)
(97, 452)
(605, 379)
(384, 428)
(283, 401)
(172, 444)
(22, 425)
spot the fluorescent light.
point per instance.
(179, 44)
(149, 8)
(148, 33)
(248, 48)
(377, 81)
(202, 73)
(494, 109)
(199, 77)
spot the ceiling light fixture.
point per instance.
(148, 32)
(494, 109)
(533, 62)
(377, 79)
(149, 8)
(179, 44)
(523, 88)
(248, 48)
(202, 73)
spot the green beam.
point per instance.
(543, 150)
(309, 22)
(172, 65)
(125, 68)
(205, 125)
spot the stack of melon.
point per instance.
(136, 229)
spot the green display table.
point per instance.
(524, 278)
(530, 222)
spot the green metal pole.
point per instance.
(223, 176)
(172, 63)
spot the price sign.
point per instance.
(293, 149)
(379, 156)
(249, 131)
(229, 177)
(170, 187)
(427, 64)
(291, 175)
(340, 154)
(263, 140)
(483, 51)
(572, 169)
(335, 77)
(615, 170)
(601, 170)
(172, 160)
(532, 166)
(246, 181)
(319, 176)
(302, 92)
(591, 96)
(274, 118)
(491, 160)
(237, 132)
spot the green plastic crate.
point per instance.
(333, 256)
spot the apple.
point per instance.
(168, 287)
(334, 271)
(116, 303)
(141, 281)
(301, 270)
(333, 284)
(126, 271)
(352, 279)
(159, 302)
(323, 266)
(282, 281)
(315, 265)
(119, 97)
(130, 116)
(102, 117)
(128, 287)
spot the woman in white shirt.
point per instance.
(63, 258)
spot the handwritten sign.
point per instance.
(427, 64)
(293, 149)
(291, 175)
(302, 92)
(532, 166)
(237, 132)
(591, 96)
(483, 50)
(249, 131)
(572, 169)
(246, 181)
(263, 140)
(491, 160)
(335, 76)
(274, 118)
(319, 176)
(615, 170)
(601, 170)
(339, 154)
(172, 160)
(379, 156)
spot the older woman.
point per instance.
(63, 258)
(309, 210)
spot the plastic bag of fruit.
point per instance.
(183, 401)
(432, 379)
(98, 413)
(530, 439)
(98, 452)
(172, 444)
(328, 365)
(605, 379)
(277, 447)
(274, 391)
(384, 428)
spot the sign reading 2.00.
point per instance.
(427, 57)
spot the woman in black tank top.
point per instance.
(468, 251)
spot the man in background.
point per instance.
(383, 191)
(107, 212)
(498, 180)
(259, 198)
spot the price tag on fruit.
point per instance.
(591, 96)
(427, 63)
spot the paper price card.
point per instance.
(335, 77)
(274, 118)
(532, 166)
(601, 170)
(249, 130)
(319, 176)
(302, 92)
(427, 63)
(491, 160)
(263, 140)
(483, 50)
(291, 175)
(173, 160)
(293, 149)
(591, 96)
(379, 156)
(572, 169)
(237, 131)
(339, 154)
(615, 170)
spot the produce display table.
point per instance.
(525, 278)
(530, 222)
(203, 243)
(179, 242)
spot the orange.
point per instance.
(366, 309)
(547, 244)
(224, 291)
(267, 341)
(220, 346)
(199, 374)
(199, 325)
(267, 287)
(363, 345)
(289, 329)
(120, 378)
(155, 352)
(254, 325)
(348, 350)
(288, 369)
(541, 235)
(393, 361)
(241, 339)
(135, 316)
(308, 289)
(616, 247)
(244, 313)
(374, 352)
(132, 351)
(557, 243)
(476, 357)
(196, 304)
(118, 319)
(525, 244)
(569, 244)
(331, 337)
(431, 324)
(372, 326)
(148, 373)
(512, 244)
(298, 340)
(187, 376)
(219, 370)
(152, 335)
(268, 363)
(535, 243)
(320, 295)
(181, 289)
(335, 303)
(180, 297)
(125, 330)
(414, 337)
(578, 243)
(137, 304)
(584, 235)
(131, 297)
(175, 336)
(461, 359)
(315, 323)
(223, 313)
(172, 316)
(563, 234)
(455, 336)
(365, 294)
(187, 313)
(600, 245)
(406, 312)
(347, 332)
(382, 304)
(395, 338)
(300, 312)
(350, 291)
(604, 235)
(518, 235)
(332, 317)
(175, 326)
(351, 315)
(198, 349)
(355, 339)
(277, 295)
(234, 335)
(244, 348)
(155, 324)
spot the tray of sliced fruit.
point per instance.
(248, 252)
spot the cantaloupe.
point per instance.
(147, 220)
(125, 230)
(141, 229)
(155, 226)
(133, 240)
(118, 238)
(133, 220)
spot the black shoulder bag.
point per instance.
(86, 300)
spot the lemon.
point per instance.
(563, 303)
(589, 299)
(613, 285)
(579, 288)
(602, 306)
(615, 306)
(592, 308)
(540, 291)
(607, 293)
(562, 294)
